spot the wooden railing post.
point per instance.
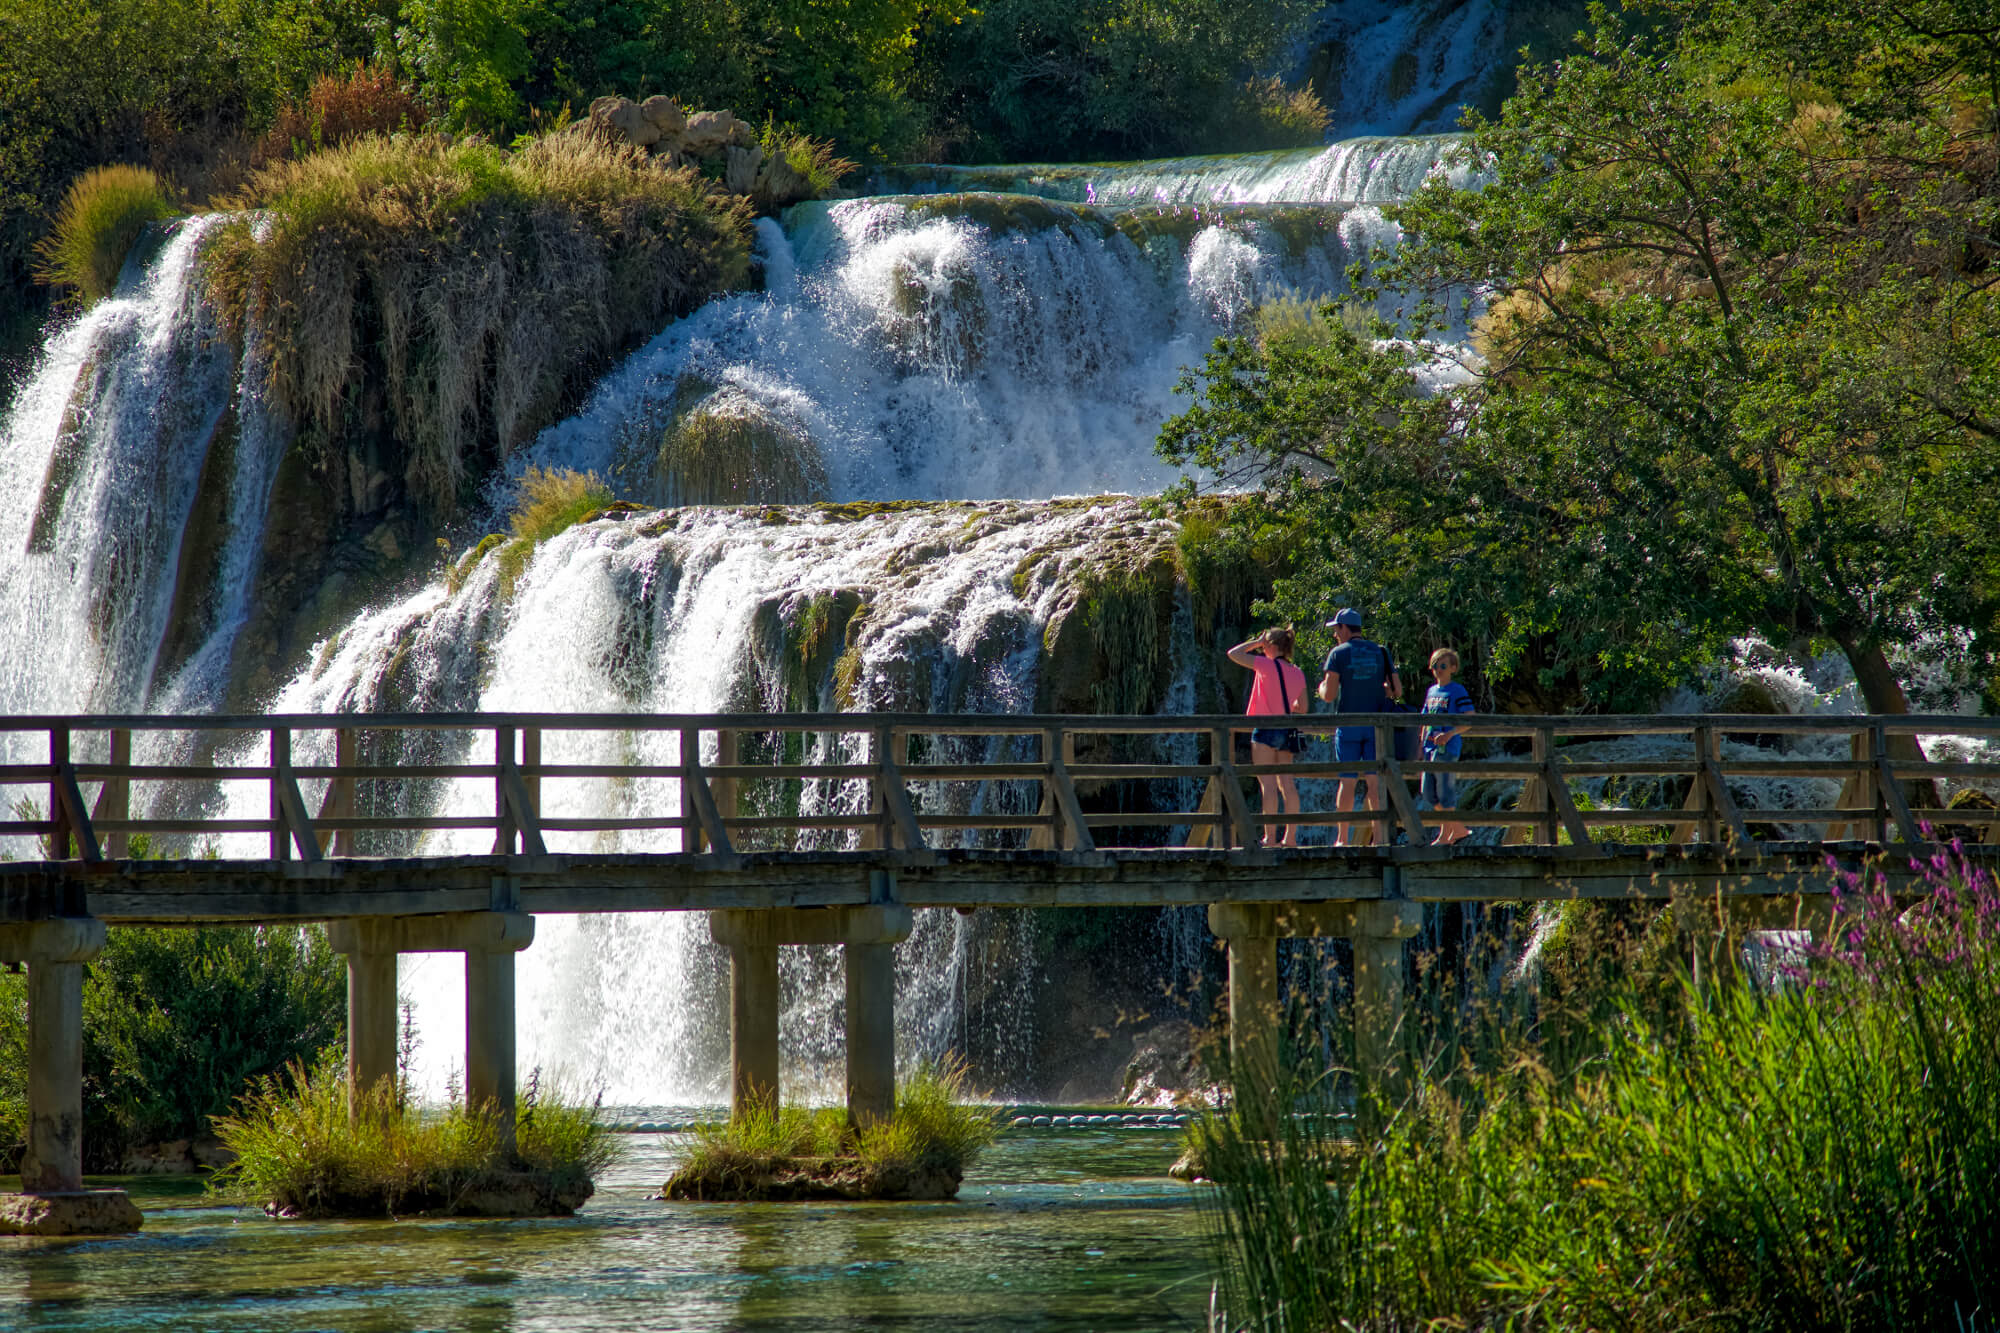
(1704, 751)
(281, 763)
(504, 827)
(59, 821)
(1073, 835)
(727, 791)
(114, 798)
(340, 793)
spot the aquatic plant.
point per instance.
(101, 216)
(798, 1152)
(300, 1152)
(1814, 1154)
(462, 294)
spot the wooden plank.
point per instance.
(1076, 830)
(1718, 791)
(503, 820)
(297, 824)
(1556, 783)
(1892, 795)
(60, 819)
(697, 797)
(1201, 831)
(521, 807)
(114, 797)
(76, 813)
(895, 797)
(1241, 827)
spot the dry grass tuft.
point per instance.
(100, 218)
(729, 450)
(461, 296)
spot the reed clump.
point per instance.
(1815, 1151)
(456, 297)
(101, 216)
(300, 1153)
(794, 1152)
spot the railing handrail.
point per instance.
(1565, 724)
(1873, 796)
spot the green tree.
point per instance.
(1741, 370)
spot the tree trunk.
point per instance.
(1881, 692)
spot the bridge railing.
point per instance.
(308, 787)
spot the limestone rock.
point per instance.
(778, 185)
(83, 1213)
(624, 118)
(711, 131)
(1165, 1068)
(739, 175)
(664, 115)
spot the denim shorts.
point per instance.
(1278, 738)
(1351, 744)
(1440, 789)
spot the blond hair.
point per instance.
(1445, 657)
(1281, 640)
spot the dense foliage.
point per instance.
(176, 1024)
(1816, 1152)
(202, 94)
(1741, 363)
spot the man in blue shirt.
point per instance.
(1360, 677)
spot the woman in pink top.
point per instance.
(1278, 691)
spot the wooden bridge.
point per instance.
(447, 832)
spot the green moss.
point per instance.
(460, 570)
(1125, 609)
(729, 451)
(855, 510)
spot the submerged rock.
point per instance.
(492, 1193)
(78, 1213)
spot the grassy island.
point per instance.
(300, 1154)
(802, 1154)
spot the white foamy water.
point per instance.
(1374, 170)
(667, 613)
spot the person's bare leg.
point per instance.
(1267, 788)
(1365, 796)
(1343, 802)
(1289, 786)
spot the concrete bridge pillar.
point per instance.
(53, 1200)
(489, 941)
(867, 936)
(1379, 930)
(753, 1028)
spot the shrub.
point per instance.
(340, 108)
(100, 218)
(466, 293)
(815, 168)
(298, 1150)
(176, 1023)
(1814, 1155)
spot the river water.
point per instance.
(1054, 1229)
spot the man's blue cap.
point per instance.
(1347, 615)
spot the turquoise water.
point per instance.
(1054, 1229)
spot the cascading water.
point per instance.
(1002, 336)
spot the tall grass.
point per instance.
(298, 1150)
(1818, 1155)
(455, 297)
(100, 218)
(933, 1130)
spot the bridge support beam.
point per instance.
(489, 941)
(867, 935)
(1379, 930)
(53, 1201)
